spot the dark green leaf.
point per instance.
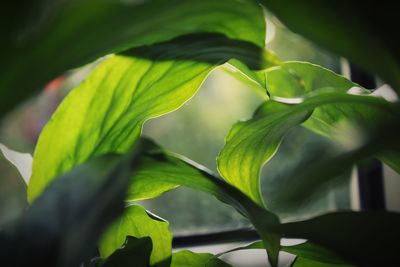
(186, 258)
(64, 223)
(134, 251)
(305, 250)
(300, 149)
(314, 252)
(136, 222)
(89, 123)
(43, 39)
(361, 31)
(365, 238)
(303, 262)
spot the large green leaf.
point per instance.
(136, 222)
(106, 112)
(365, 238)
(352, 29)
(41, 40)
(62, 226)
(186, 258)
(134, 250)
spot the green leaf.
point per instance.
(21, 161)
(136, 222)
(255, 79)
(314, 252)
(365, 238)
(156, 166)
(133, 89)
(294, 79)
(63, 225)
(306, 250)
(347, 29)
(251, 143)
(300, 149)
(186, 258)
(134, 250)
(303, 262)
(43, 39)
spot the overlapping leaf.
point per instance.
(156, 167)
(311, 89)
(249, 144)
(134, 250)
(295, 79)
(106, 112)
(136, 222)
(43, 39)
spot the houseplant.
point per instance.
(161, 51)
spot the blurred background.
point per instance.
(197, 131)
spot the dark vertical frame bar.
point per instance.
(370, 173)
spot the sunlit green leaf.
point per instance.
(365, 238)
(251, 143)
(134, 250)
(294, 79)
(106, 112)
(255, 79)
(41, 40)
(186, 258)
(347, 29)
(136, 222)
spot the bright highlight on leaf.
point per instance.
(106, 112)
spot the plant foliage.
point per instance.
(91, 164)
